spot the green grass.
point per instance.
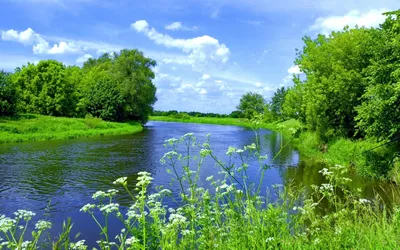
(39, 128)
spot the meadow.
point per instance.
(28, 127)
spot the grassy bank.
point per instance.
(356, 154)
(39, 128)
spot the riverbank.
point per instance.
(353, 154)
(39, 128)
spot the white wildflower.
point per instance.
(239, 151)
(109, 208)
(80, 245)
(24, 214)
(43, 225)
(131, 240)
(251, 147)
(87, 207)
(121, 181)
(326, 187)
(325, 171)
(269, 239)
(99, 194)
(364, 201)
(6, 224)
(112, 192)
(171, 141)
(205, 152)
(231, 150)
(177, 219)
(188, 135)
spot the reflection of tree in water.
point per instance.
(307, 174)
(280, 148)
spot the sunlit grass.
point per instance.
(39, 128)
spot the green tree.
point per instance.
(277, 103)
(293, 106)
(251, 104)
(8, 95)
(334, 79)
(127, 76)
(379, 114)
(44, 89)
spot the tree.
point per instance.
(8, 95)
(45, 89)
(251, 104)
(277, 103)
(379, 113)
(334, 79)
(293, 106)
(127, 76)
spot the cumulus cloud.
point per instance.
(180, 26)
(40, 45)
(294, 70)
(83, 58)
(259, 84)
(205, 77)
(201, 50)
(63, 48)
(371, 18)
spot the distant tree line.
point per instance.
(183, 115)
(114, 87)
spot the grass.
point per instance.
(38, 128)
(232, 214)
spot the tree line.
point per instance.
(182, 114)
(350, 87)
(113, 87)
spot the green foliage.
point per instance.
(251, 104)
(8, 95)
(101, 95)
(277, 101)
(44, 89)
(335, 82)
(379, 114)
(39, 128)
(119, 86)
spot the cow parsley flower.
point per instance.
(43, 225)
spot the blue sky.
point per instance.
(209, 52)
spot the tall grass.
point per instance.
(39, 127)
(234, 213)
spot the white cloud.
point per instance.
(294, 70)
(27, 37)
(180, 26)
(83, 58)
(259, 84)
(63, 48)
(205, 77)
(371, 18)
(201, 50)
(40, 45)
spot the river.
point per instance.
(56, 178)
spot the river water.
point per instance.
(56, 178)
